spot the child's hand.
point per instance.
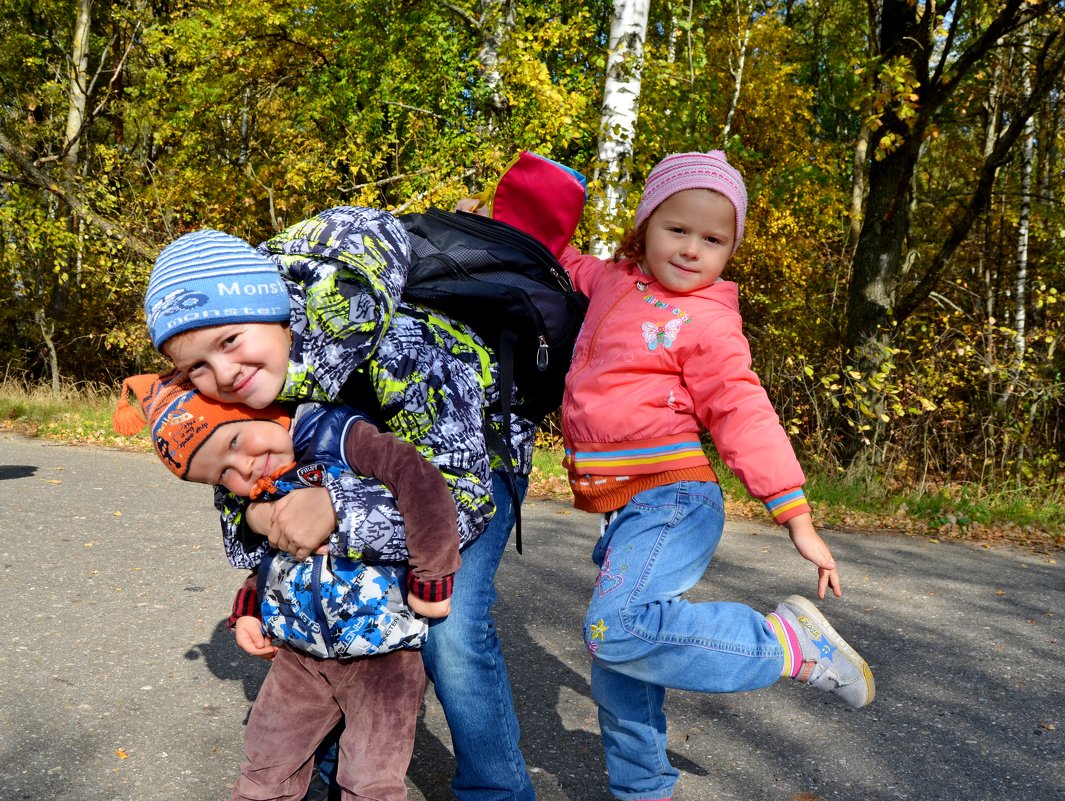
(302, 521)
(472, 205)
(250, 637)
(429, 608)
(814, 549)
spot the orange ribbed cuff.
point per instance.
(606, 493)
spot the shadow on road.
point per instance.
(225, 660)
(10, 471)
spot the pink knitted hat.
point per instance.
(681, 171)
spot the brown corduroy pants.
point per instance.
(303, 698)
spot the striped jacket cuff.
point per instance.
(246, 603)
(431, 590)
(785, 505)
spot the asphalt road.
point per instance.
(119, 681)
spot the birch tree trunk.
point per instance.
(993, 111)
(1020, 284)
(497, 18)
(617, 127)
(859, 166)
(55, 306)
(79, 88)
(743, 37)
(860, 161)
(47, 328)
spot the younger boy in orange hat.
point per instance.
(349, 650)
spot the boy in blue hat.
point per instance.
(349, 337)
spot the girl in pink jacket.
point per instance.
(661, 358)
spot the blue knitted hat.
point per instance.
(210, 278)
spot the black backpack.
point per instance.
(508, 288)
(511, 290)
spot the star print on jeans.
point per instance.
(597, 630)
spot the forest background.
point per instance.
(902, 272)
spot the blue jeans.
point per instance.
(464, 661)
(644, 636)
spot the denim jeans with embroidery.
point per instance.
(644, 636)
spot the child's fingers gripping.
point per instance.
(302, 521)
(259, 517)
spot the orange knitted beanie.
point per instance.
(179, 416)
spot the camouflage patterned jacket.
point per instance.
(432, 377)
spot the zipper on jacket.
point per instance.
(599, 327)
(319, 606)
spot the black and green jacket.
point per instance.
(424, 377)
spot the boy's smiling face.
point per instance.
(237, 363)
(238, 454)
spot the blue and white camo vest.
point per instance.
(332, 606)
(335, 607)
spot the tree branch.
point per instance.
(416, 108)
(1010, 18)
(39, 179)
(463, 14)
(1048, 77)
(390, 180)
(402, 208)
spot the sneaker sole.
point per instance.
(798, 603)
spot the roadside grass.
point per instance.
(1033, 517)
(78, 414)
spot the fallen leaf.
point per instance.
(121, 753)
(1047, 726)
(52, 480)
(118, 514)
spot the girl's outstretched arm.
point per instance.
(814, 549)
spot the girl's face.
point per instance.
(238, 454)
(689, 239)
(236, 363)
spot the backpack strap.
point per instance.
(493, 440)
